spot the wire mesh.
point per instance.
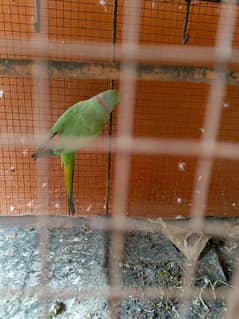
(145, 187)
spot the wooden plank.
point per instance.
(105, 70)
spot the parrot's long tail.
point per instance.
(67, 161)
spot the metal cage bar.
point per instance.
(40, 115)
(224, 37)
(127, 86)
(124, 145)
(109, 157)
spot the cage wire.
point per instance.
(171, 139)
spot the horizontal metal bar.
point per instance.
(91, 50)
(115, 292)
(103, 70)
(227, 228)
(150, 146)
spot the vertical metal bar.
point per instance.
(114, 32)
(40, 116)
(109, 155)
(233, 297)
(40, 100)
(213, 112)
(185, 36)
(37, 23)
(130, 35)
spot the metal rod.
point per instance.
(149, 146)
(37, 23)
(109, 155)
(103, 51)
(40, 95)
(130, 34)
(185, 36)
(113, 293)
(222, 229)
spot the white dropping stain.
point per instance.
(181, 166)
(1, 94)
(44, 185)
(202, 130)
(233, 204)
(88, 209)
(12, 169)
(12, 208)
(29, 204)
(57, 205)
(103, 4)
(179, 200)
(226, 105)
(199, 178)
(190, 204)
(179, 217)
(62, 41)
(180, 8)
(25, 152)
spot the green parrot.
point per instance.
(84, 119)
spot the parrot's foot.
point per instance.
(43, 153)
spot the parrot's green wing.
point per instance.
(84, 119)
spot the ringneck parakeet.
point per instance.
(84, 119)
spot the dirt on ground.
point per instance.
(77, 258)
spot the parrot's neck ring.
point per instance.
(101, 102)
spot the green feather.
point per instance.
(67, 162)
(84, 119)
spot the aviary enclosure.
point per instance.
(163, 176)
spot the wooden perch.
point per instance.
(105, 70)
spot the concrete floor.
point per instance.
(78, 258)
